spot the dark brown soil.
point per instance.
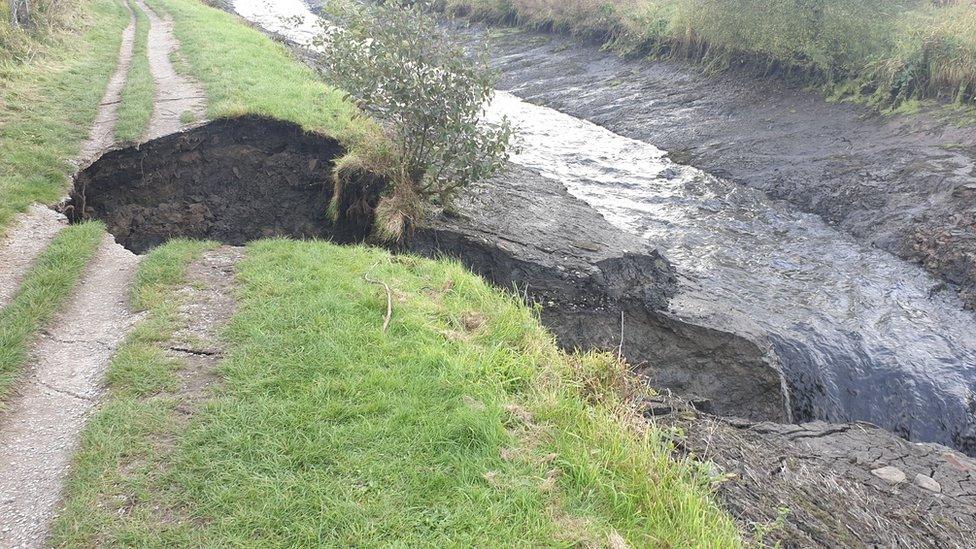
(232, 180)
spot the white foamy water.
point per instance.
(857, 330)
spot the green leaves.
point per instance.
(402, 68)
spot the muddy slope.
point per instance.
(522, 230)
(830, 485)
(904, 184)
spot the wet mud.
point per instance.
(905, 184)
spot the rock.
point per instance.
(890, 474)
(928, 483)
(654, 408)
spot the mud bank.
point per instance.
(904, 184)
(524, 231)
(241, 179)
(231, 180)
(829, 485)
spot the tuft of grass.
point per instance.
(47, 285)
(137, 96)
(50, 101)
(882, 51)
(460, 425)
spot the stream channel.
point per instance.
(859, 334)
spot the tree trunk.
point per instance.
(14, 20)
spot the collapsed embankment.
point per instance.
(239, 179)
(232, 180)
(236, 180)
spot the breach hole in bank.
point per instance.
(232, 180)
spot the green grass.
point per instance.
(137, 96)
(46, 286)
(245, 72)
(462, 425)
(47, 105)
(882, 51)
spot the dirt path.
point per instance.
(39, 432)
(32, 232)
(208, 304)
(176, 96)
(29, 236)
(102, 134)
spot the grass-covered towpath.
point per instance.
(461, 425)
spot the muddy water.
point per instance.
(860, 334)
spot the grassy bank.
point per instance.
(460, 425)
(46, 286)
(884, 51)
(137, 95)
(51, 84)
(245, 72)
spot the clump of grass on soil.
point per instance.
(47, 285)
(882, 51)
(137, 96)
(49, 102)
(460, 425)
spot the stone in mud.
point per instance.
(927, 483)
(890, 474)
(521, 230)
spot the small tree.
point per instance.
(402, 68)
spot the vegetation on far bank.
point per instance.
(884, 51)
(462, 424)
(45, 288)
(51, 82)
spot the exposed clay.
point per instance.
(232, 180)
(836, 485)
(40, 428)
(102, 134)
(906, 184)
(23, 243)
(176, 96)
(521, 230)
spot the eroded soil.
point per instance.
(231, 180)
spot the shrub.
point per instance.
(400, 67)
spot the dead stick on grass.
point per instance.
(389, 300)
(620, 350)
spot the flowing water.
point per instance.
(860, 334)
